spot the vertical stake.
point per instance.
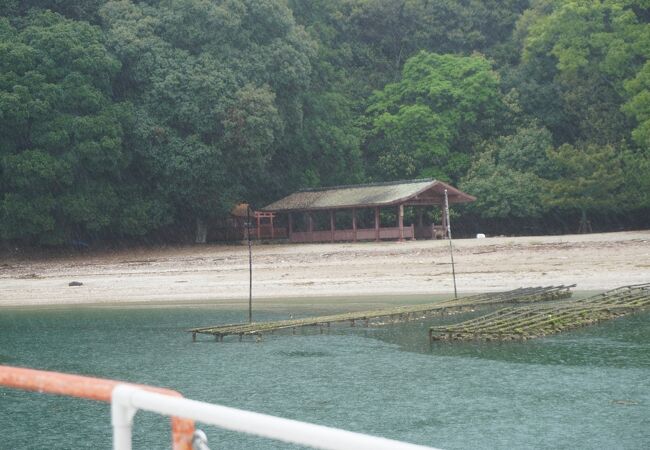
(250, 266)
(451, 247)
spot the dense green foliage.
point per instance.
(426, 124)
(65, 166)
(133, 119)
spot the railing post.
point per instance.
(122, 416)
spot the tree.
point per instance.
(582, 52)
(74, 9)
(62, 159)
(218, 87)
(638, 106)
(429, 122)
(589, 179)
(636, 169)
(327, 146)
(503, 192)
(170, 111)
(637, 161)
(372, 39)
(507, 177)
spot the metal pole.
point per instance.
(451, 248)
(250, 266)
(122, 417)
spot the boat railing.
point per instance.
(126, 399)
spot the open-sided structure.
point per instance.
(398, 194)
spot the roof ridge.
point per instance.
(382, 183)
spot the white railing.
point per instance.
(128, 399)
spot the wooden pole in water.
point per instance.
(250, 266)
(451, 248)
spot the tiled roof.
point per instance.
(366, 195)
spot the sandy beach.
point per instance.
(219, 273)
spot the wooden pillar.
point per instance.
(444, 221)
(400, 221)
(332, 226)
(272, 230)
(290, 226)
(258, 226)
(354, 225)
(420, 214)
(311, 227)
(377, 223)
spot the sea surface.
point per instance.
(587, 389)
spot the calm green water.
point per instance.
(559, 392)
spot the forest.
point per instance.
(128, 121)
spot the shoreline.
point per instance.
(260, 304)
(323, 274)
(333, 303)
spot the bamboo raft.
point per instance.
(390, 315)
(533, 321)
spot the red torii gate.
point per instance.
(259, 215)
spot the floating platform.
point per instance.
(533, 321)
(391, 315)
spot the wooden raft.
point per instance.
(390, 315)
(532, 321)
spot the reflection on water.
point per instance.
(585, 389)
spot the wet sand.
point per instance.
(371, 273)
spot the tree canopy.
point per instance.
(427, 124)
(63, 161)
(135, 119)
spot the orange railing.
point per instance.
(89, 388)
(127, 399)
